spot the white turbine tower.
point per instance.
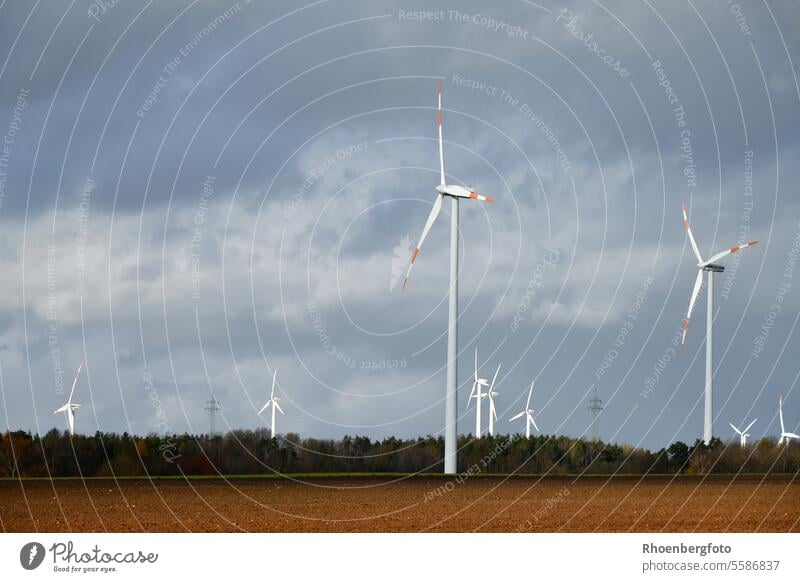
(528, 413)
(490, 394)
(451, 395)
(477, 393)
(743, 434)
(710, 267)
(785, 436)
(273, 402)
(69, 408)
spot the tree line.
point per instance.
(257, 452)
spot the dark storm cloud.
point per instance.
(229, 188)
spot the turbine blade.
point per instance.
(736, 429)
(71, 419)
(74, 382)
(476, 365)
(278, 406)
(263, 408)
(698, 282)
(437, 206)
(691, 236)
(727, 252)
(441, 145)
(491, 386)
(749, 425)
(528, 404)
(533, 422)
(516, 416)
(274, 377)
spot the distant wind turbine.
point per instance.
(451, 388)
(743, 434)
(490, 394)
(710, 267)
(528, 414)
(785, 436)
(273, 402)
(477, 393)
(69, 408)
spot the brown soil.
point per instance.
(381, 504)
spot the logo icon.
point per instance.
(31, 555)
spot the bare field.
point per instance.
(397, 504)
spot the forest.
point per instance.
(256, 452)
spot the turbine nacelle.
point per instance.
(711, 267)
(461, 192)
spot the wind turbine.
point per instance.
(477, 393)
(528, 413)
(69, 408)
(490, 394)
(787, 436)
(710, 267)
(273, 401)
(451, 390)
(743, 434)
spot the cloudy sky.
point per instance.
(194, 194)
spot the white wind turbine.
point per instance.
(490, 394)
(528, 413)
(273, 402)
(451, 395)
(69, 408)
(710, 267)
(743, 434)
(785, 436)
(477, 393)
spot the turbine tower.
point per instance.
(785, 436)
(213, 407)
(595, 407)
(709, 267)
(451, 390)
